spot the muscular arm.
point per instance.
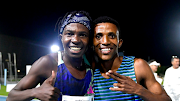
(145, 77)
(25, 90)
(146, 87)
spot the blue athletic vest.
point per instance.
(69, 85)
(102, 85)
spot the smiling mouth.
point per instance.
(75, 49)
(105, 50)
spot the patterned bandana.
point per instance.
(77, 18)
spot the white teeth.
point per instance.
(105, 49)
(75, 48)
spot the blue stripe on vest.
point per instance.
(102, 85)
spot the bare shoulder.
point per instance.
(44, 65)
(142, 70)
(145, 77)
(40, 70)
(140, 64)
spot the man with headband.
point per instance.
(62, 75)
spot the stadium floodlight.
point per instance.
(54, 48)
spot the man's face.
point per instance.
(154, 68)
(75, 40)
(106, 40)
(175, 63)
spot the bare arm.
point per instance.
(146, 87)
(17, 93)
(25, 91)
(154, 91)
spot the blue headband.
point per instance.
(77, 18)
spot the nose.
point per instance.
(105, 40)
(75, 39)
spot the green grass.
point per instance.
(3, 91)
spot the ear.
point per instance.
(60, 36)
(171, 62)
(120, 43)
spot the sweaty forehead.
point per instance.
(105, 28)
(76, 27)
(176, 59)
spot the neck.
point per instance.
(175, 67)
(76, 63)
(112, 64)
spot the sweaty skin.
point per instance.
(106, 44)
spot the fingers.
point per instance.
(51, 79)
(117, 87)
(120, 87)
(57, 91)
(53, 74)
(54, 93)
(114, 77)
(55, 96)
(48, 91)
(125, 84)
(110, 73)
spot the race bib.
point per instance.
(77, 98)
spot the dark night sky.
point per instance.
(149, 28)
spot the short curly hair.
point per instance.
(104, 19)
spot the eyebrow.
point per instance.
(112, 33)
(99, 33)
(108, 33)
(71, 31)
(79, 32)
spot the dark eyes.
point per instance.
(98, 36)
(110, 35)
(80, 34)
(69, 34)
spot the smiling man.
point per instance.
(120, 78)
(172, 79)
(63, 74)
